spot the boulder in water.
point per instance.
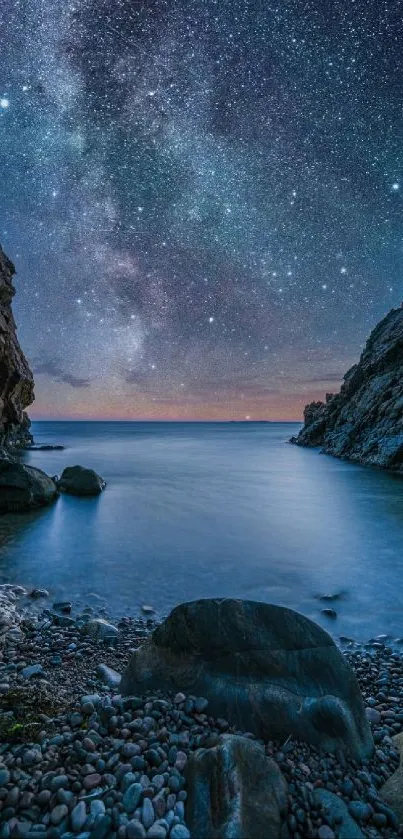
(24, 487)
(264, 668)
(76, 480)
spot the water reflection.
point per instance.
(197, 510)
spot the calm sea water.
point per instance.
(213, 509)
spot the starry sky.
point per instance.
(202, 198)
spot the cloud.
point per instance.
(52, 369)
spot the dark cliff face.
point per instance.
(16, 380)
(364, 422)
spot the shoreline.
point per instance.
(68, 739)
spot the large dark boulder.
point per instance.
(364, 421)
(24, 487)
(234, 792)
(264, 668)
(76, 480)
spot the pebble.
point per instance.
(78, 816)
(32, 670)
(147, 813)
(58, 813)
(132, 797)
(326, 832)
(4, 776)
(135, 830)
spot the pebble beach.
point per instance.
(78, 760)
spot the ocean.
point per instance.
(213, 510)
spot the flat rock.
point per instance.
(264, 668)
(77, 480)
(234, 792)
(24, 488)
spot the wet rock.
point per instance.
(36, 593)
(24, 487)
(76, 480)
(264, 668)
(235, 791)
(329, 613)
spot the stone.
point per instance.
(4, 776)
(78, 816)
(363, 422)
(77, 480)
(180, 831)
(24, 487)
(360, 811)
(101, 829)
(10, 617)
(266, 669)
(135, 830)
(147, 813)
(109, 676)
(335, 810)
(326, 832)
(99, 629)
(373, 715)
(92, 781)
(392, 791)
(16, 380)
(132, 797)
(36, 593)
(329, 613)
(58, 813)
(31, 671)
(235, 791)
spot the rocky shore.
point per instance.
(79, 760)
(363, 423)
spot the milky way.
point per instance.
(203, 200)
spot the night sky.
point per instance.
(202, 198)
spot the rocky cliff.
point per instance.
(364, 422)
(16, 380)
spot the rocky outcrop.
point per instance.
(264, 668)
(16, 380)
(234, 792)
(364, 422)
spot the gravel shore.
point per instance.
(77, 760)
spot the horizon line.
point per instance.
(145, 419)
